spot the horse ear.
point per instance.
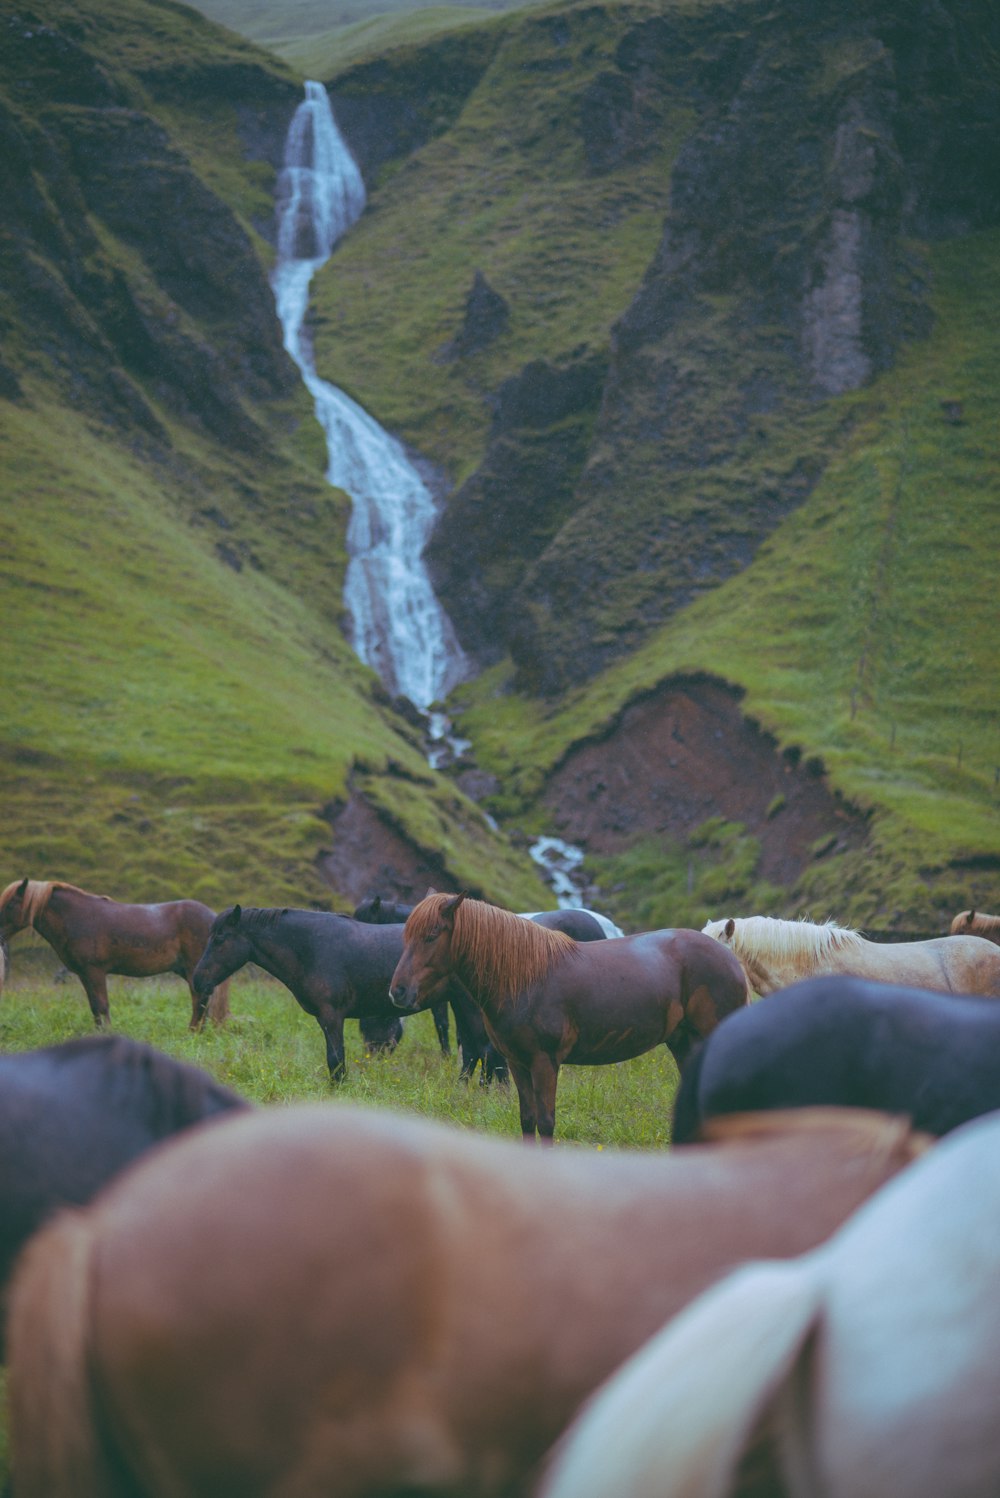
(450, 906)
(233, 917)
(970, 917)
(430, 891)
(19, 892)
(376, 904)
(730, 928)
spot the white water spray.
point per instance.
(398, 626)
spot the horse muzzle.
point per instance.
(402, 998)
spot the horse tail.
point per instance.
(3, 964)
(687, 1113)
(217, 1009)
(675, 1419)
(56, 1451)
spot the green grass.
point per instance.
(273, 1053)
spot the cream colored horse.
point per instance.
(777, 953)
(976, 923)
(868, 1368)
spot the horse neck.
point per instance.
(50, 921)
(763, 980)
(270, 948)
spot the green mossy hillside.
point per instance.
(181, 705)
(862, 633)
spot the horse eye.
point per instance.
(433, 935)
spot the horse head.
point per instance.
(13, 914)
(228, 947)
(427, 956)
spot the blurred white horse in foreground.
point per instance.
(867, 1367)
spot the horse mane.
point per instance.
(38, 893)
(505, 953)
(969, 922)
(765, 936)
(867, 1128)
(182, 1094)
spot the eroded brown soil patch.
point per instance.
(684, 753)
(369, 857)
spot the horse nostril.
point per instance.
(398, 995)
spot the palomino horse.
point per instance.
(869, 1367)
(549, 1000)
(931, 1056)
(72, 1115)
(336, 967)
(332, 1300)
(975, 923)
(776, 953)
(93, 936)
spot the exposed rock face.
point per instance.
(685, 753)
(185, 316)
(486, 316)
(371, 857)
(390, 106)
(509, 510)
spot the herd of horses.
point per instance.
(796, 1298)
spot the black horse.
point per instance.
(473, 1041)
(932, 1056)
(336, 967)
(378, 912)
(72, 1115)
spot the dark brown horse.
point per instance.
(94, 936)
(547, 999)
(326, 1300)
(337, 968)
(73, 1115)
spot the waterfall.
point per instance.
(397, 625)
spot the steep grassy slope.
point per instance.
(317, 37)
(693, 226)
(862, 633)
(180, 704)
(664, 282)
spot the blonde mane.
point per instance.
(975, 923)
(37, 895)
(757, 937)
(502, 953)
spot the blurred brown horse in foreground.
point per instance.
(976, 923)
(548, 1000)
(320, 1299)
(94, 936)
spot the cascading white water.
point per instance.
(398, 626)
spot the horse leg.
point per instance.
(440, 1015)
(95, 985)
(217, 1007)
(544, 1076)
(525, 1099)
(331, 1022)
(471, 1035)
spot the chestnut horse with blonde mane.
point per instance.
(976, 923)
(776, 953)
(94, 935)
(327, 1300)
(548, 1000)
